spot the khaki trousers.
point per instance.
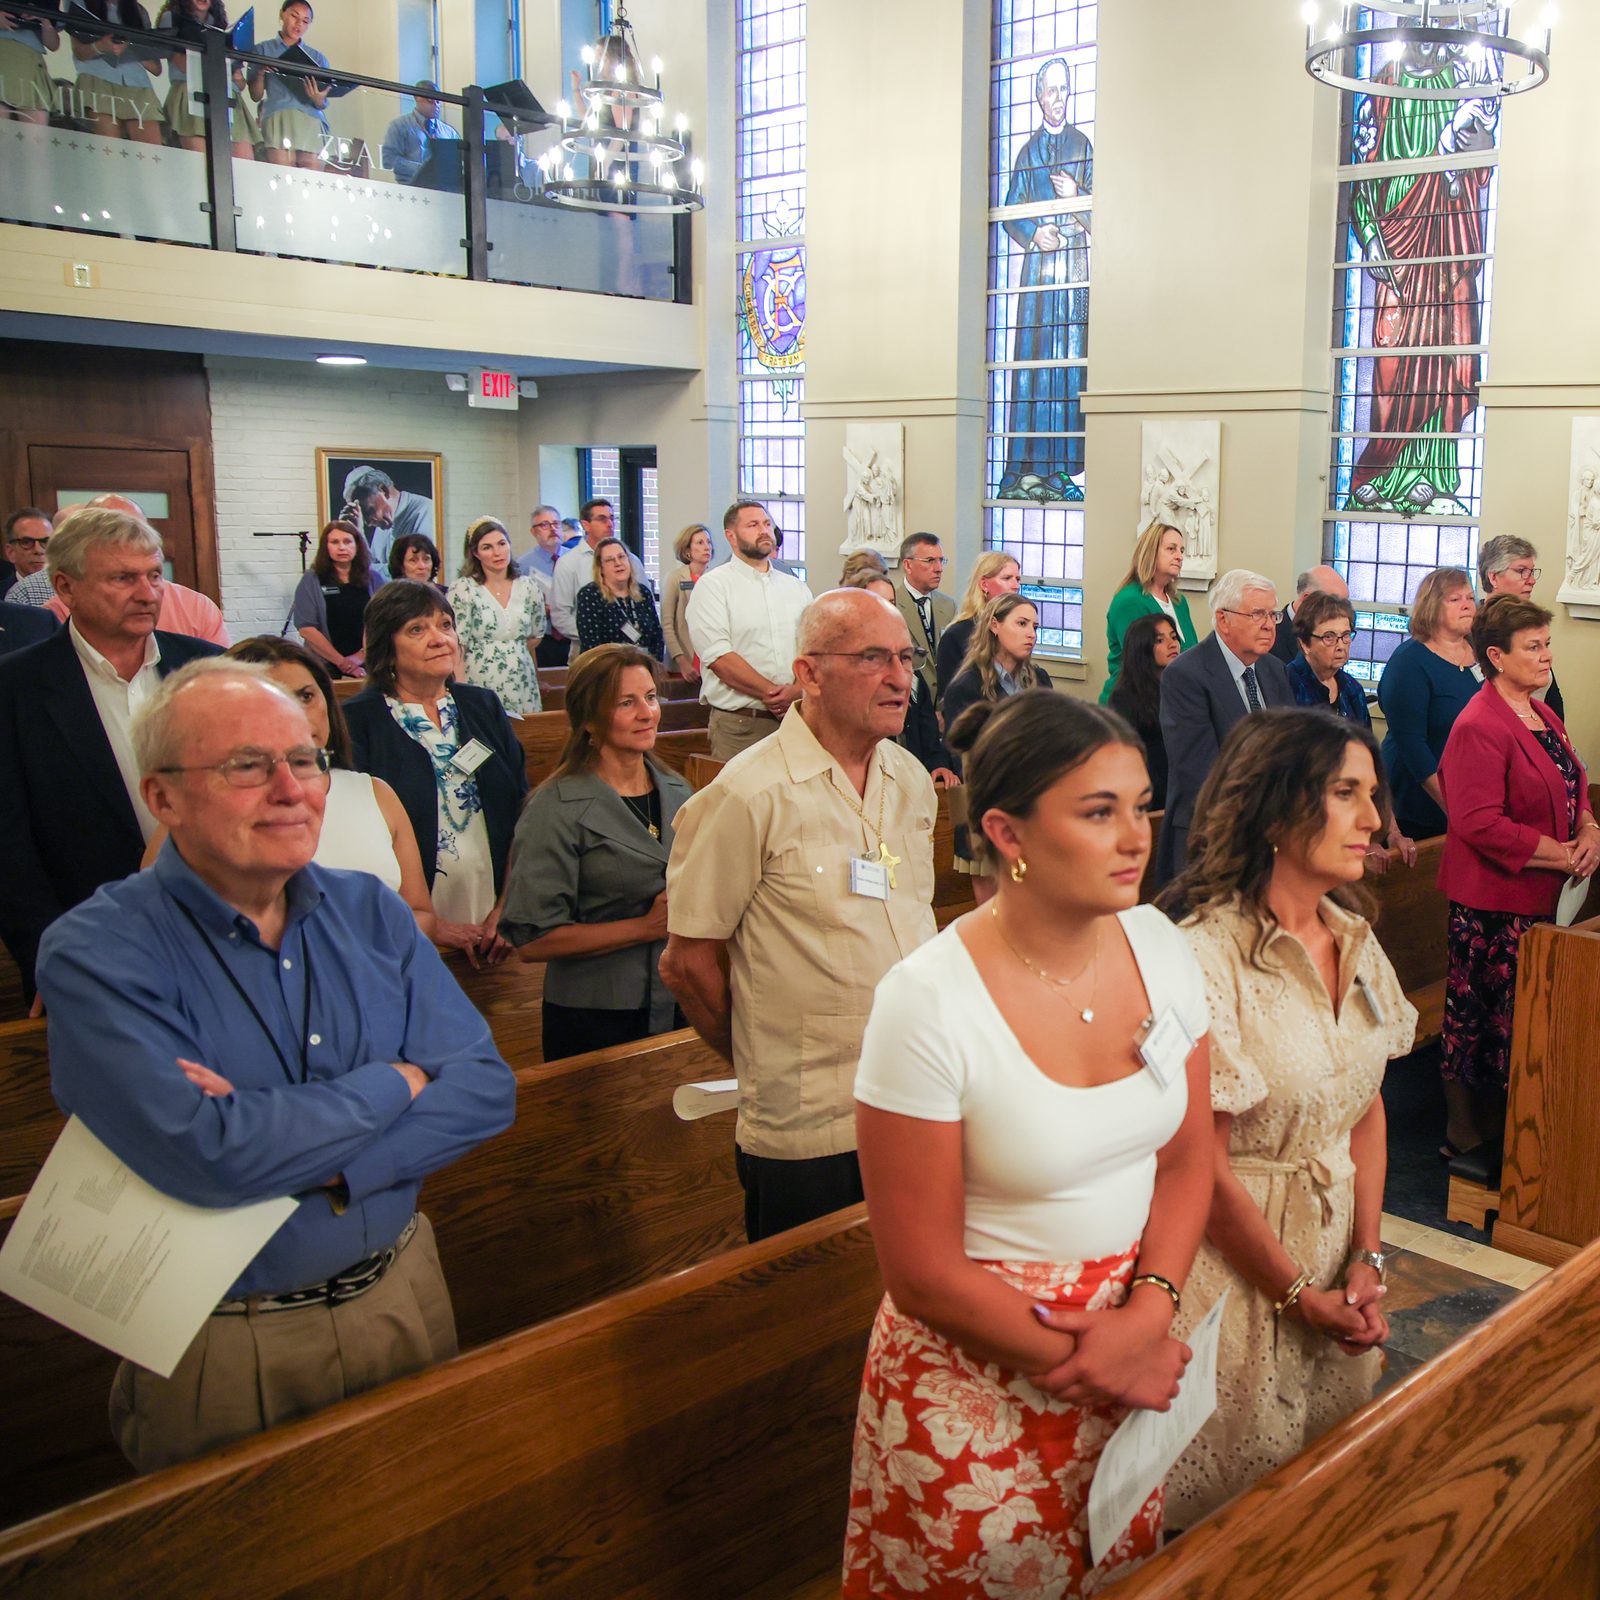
(249, 1372)
(730, 733)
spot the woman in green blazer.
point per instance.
(1150, 588)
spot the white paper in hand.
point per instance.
(1573, 894)
(96, 1249)
(1147, 1444)
(695, 1100)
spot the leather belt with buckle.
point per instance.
(350, 1284)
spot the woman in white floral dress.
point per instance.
(499, 618)
(1037, 1189)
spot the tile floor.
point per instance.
(1440, 1287)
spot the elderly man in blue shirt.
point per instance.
(238, 1024)
(409, 139)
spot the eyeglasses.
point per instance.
(545, 522)
(1257, 617)
(253, 769)
(929, 561)
(1331, 639)
(878, 662)
(23, 542)
(1522, 573)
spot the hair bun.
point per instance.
(963, 732)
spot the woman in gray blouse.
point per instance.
(587, 885)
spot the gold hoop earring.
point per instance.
(1019, 870)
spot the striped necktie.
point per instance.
(1251, 693)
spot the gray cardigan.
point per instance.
(581, 855)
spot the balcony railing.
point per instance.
(181, 155)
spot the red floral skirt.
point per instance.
(966, 1479)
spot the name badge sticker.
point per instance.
(869, 878)
(1165, 1048)
(471, 756)
(630, 633)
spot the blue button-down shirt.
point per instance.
(132, 985)
(406, 144)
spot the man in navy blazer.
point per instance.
(21, 626)
(69, 811)
(1229, 674)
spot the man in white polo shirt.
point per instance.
(743, 619)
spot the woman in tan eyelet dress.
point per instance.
(1306, 1012)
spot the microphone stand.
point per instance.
(305, 546)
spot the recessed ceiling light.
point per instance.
(341, 361)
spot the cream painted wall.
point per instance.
(170, 286)
(895, 258)
(1544, 337)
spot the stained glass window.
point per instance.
(1041, 183)
(1412, 279)
(770, 183)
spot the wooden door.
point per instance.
(156, 480)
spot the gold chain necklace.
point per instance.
(1086, 1013)
(887, 861)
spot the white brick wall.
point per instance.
(268, 419)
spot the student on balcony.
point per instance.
(115, 96)
(293, 119)
(187, 124)
(26, 90)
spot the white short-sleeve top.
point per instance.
(1053, 1173)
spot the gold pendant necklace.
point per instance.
(884, 858)
(1086, 1013)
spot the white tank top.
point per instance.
(355, 837)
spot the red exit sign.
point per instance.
(495, 391)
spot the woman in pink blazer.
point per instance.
(1517, 800)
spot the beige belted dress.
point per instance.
(1296, 1079)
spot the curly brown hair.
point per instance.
(1268, 784)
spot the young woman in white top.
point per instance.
(500, 617)
(364, 827)
(1037, 1165)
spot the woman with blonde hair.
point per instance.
(588, 883)
(693, 548)
(1306, 1013)
(1426, 684)
(1150, 586)
(616, 608)
(993, 574)
(500, 617)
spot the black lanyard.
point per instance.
(261, 1022)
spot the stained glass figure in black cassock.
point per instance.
(1057, 163)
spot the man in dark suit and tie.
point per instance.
(70, 808)
(927, 609)
(1228, 675)
(1286, 647)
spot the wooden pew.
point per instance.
(13, 1005)
(597, 1187)
(1549, 1198)
(1476, 1478)
(543, 735)
(689, 1438)
(29, 1121)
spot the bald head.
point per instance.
(1325, 580)
(119, 502)
(841, 619)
